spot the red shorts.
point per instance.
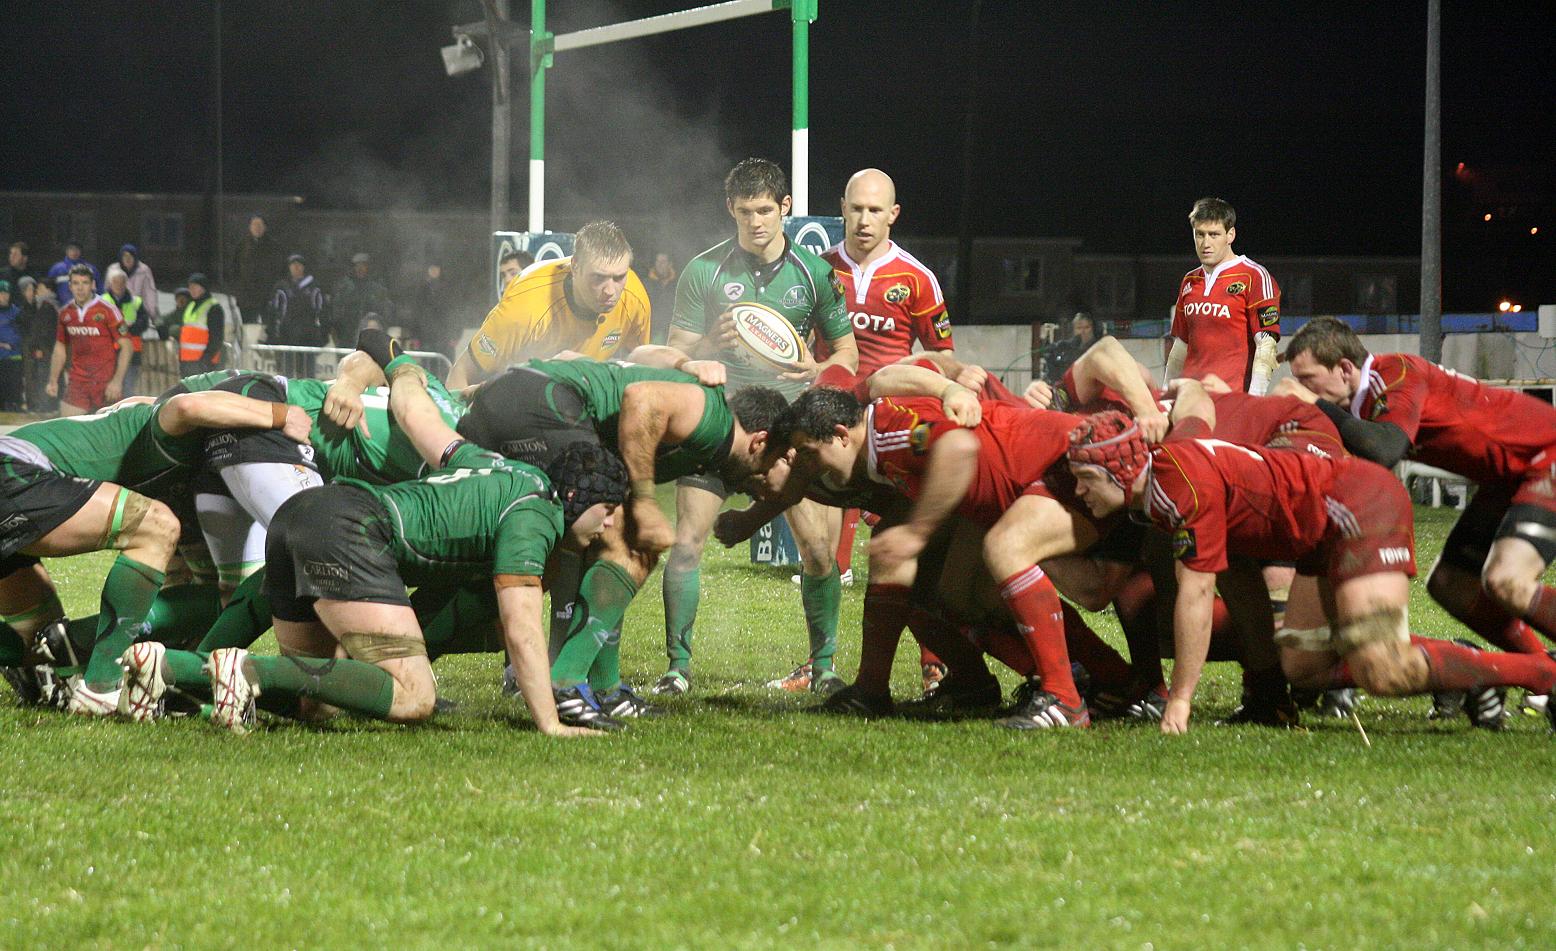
(1538, 485)
(88, 393)
(1371, 526)
(1309, 440)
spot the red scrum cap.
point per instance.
(1112, 441)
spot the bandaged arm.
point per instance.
(1264, 360)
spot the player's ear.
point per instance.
(785, 205)
(840, 432)
(758, 443)
(1231, 235)
(895, 211)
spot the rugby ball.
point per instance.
(768, 336)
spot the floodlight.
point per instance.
(463, 57)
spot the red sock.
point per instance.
(1108, 669)
(1340, 676)
(1456, 667)
(1498, 628)
(1009, 648)
(845, 541)
(927, 656)
(1542, 611)
(886, 609)
(1034, 601)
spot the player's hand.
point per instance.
(707, 372)
(733, 527)
(723, 336)
(961, 406)
(113, 392)
(1214, 384)
(297, 425)
(895, 547)
(1288, 386)
(648, 530)
(973, 377)
(1038, 395)
(343, 407)
(562, 731)
(51, 387)
(808, 369)
(1153, 426)
(1175, 719)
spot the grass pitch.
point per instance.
(740, 820)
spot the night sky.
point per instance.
(1098, 120)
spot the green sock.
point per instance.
(127, 596)
(602, 601)
(681, 590)
(822, 597)
(564, 598)
(605, 672)
(183, 614)
(458, 620)
(244, 620)
(11, 647)
(348, 684)
(186, 671)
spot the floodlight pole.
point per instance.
(542, 46)
(1432, 193)
(502, 111)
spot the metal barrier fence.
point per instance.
(320, 362)
(159, 368)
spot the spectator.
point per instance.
(11, 325)
(91, 337)
(356, 296)
(59, 274)
(510, 266)
(297, 314)
(137, 321)
(167, 325)
(430, 315)
(16, 265)
(142, 282)
(661, 296)
(202, 328)
(1058, 359)
(40, 322)
(255, 264)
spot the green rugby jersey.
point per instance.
(122, 444)
(386, 456)
(604, 385)
(481, 512)
(799, 285)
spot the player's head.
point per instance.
(509, 266)
(82, 284)
(756, 410)
(602, 259)
(869, 210)
(1214, 223)
(756, 192)
(826, 425)
(1108, 458)
(590, 481)
(1327, 357)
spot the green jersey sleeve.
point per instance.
(830, 314)
(691, 293)
(525, 537)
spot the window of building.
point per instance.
(1377, 294)
(79, 226)
(163, 231)
(1113, 292)
(1296, 294)
(1022, 275)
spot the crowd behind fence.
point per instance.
(160, 369)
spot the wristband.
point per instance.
(400, 366)
(278, 413)
(643, 488)
(681, 363)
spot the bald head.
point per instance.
(869, 210)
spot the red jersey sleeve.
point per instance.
(1185, 503)
(1396, 394)
(1263, 297)
(931, 324)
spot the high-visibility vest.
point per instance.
(131, 311)
(196, 334)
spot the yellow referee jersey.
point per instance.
(535, 319)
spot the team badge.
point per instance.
(794, 297)
(611, 339)
(1183, 545)
(918, 439)
(897, 293)
(734, 289)
(943, 327)
(1269, 316)
(837, 284)
(1237, 287)
(485, 345)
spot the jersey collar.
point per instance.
(1367, 376)
(864, 274)
(1210, 276)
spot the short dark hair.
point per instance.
(756, 178)
(1329, 341)
(1213, 210)
(82, 269)
(21, 246)
(820, 410)
(757, 407)
(510, 256)
(600, 241)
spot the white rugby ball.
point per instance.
(768, 336)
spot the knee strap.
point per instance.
(1384, 626)
(129, 510)
(377, 648)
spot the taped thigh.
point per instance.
(1389, 625)
(128, 511)
(377, 648)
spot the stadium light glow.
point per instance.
(1534, 230)
(1488, 216)
(1518, 308)
(1505, 306)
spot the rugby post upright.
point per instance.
(544, 45)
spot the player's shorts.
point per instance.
(527, 416)
(1309, 440)
(34, 499)
(231, 447)
(706, 481)
(331, 542)
(1371, 526)
(1122, 541)
(89, 393)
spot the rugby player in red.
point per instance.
(1345, 521)
(1227, 317)
(89, 335)
(1389, 405)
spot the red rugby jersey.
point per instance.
(92, 333)
(1217, 314)
(892, 301)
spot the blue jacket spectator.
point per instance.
(59, 274)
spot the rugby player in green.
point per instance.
(759, 265)
(104, 482)
(339, 557)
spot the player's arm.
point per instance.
(126, 352)
(465, 372)
(519, 612)
(218, 409)
(689, 330)
(1175, 359)
(1264, 324)
(1193, 411)
(56, 365)
(416, 415)
(1191, 617)
(499, 342)
(903, 379)
(1264, 360)
(653, 412)
(707, 372)
(1382, 442)
(1108, 364)
(734, 526)
(953, 462)
(343, 401)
